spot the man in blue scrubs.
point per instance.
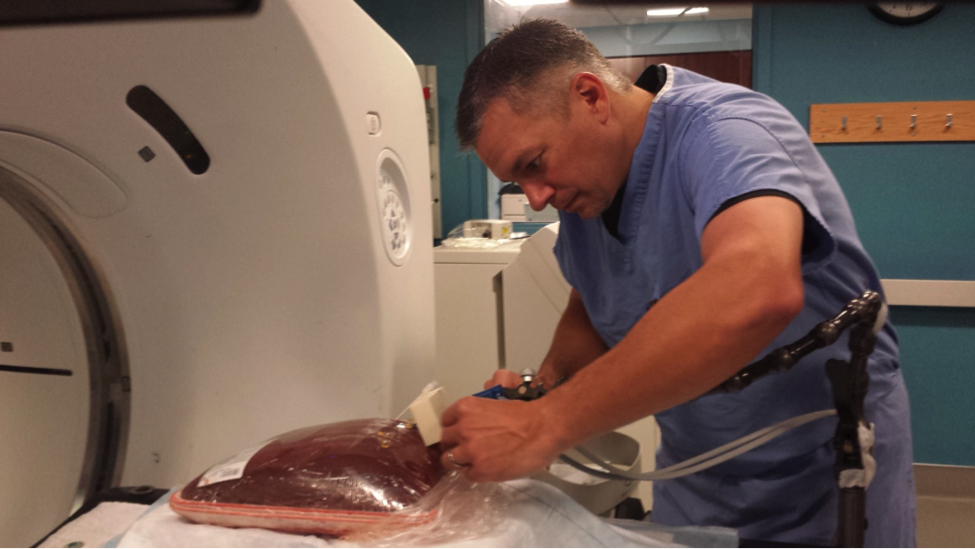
(700, 229)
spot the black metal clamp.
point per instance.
(525, 391)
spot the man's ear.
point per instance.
(592, 93)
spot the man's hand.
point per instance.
(504, 378)
(497, 440)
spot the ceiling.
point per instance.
(500, 15)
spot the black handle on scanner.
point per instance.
(849, 381)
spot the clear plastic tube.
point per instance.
(697, 463)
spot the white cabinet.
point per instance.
(469, 321)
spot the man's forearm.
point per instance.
(574, 345)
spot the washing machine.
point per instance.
(212, 230)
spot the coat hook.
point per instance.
(880, 123)
(948, 121)
(913, 121)
(844, 122)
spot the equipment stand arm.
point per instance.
(866, 315)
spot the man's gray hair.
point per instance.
(529, 65)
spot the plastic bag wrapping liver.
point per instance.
(457, 509)
(327, 479)
(372, 478)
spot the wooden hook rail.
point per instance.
(892, 122)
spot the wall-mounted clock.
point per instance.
(905, 13)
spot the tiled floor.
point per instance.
(945, 506)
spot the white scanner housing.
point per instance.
(287, 285)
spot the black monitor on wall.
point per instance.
(42, 12)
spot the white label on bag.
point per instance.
(229, 469)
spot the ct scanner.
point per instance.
(219, 227)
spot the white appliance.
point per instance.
(470, 317)
(202, 303)
(497, 307)
(514, 206)
(535, 296)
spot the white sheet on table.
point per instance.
(538, 515)
(96, 527)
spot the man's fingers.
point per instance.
(451, 415)
(453, 459)
(456, 411)
(449, 438)
(451, 435)
(504, 378)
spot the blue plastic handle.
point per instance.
(495, 393)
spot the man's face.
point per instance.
(567, 162)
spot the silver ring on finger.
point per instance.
(453, 462)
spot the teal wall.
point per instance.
(914, 203)
(448, 34)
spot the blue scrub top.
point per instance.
(706, 143)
